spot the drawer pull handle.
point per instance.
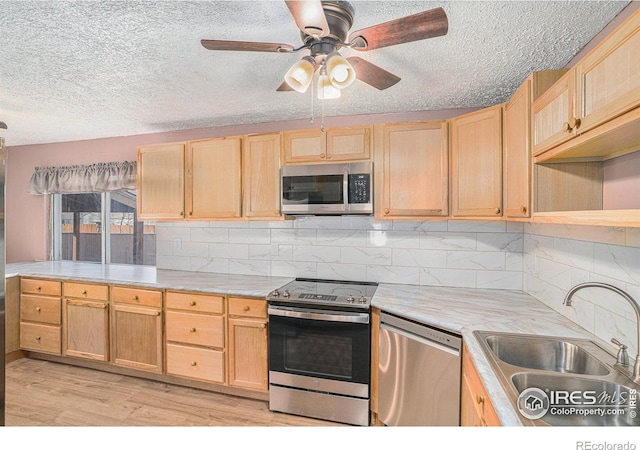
(479, 399)
(84, 292)
(193, 363)
(38, 309)
(38, 338)
(135, 297)
(193, 303)
(246, 308)
(39, 288)
(192, 330)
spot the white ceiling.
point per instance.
(89, 69)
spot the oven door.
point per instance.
(332, 345)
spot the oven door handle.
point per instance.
(316, 314)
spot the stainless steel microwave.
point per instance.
(327, 189)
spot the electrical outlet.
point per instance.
(177, 246)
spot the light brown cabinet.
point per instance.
(476, 164)
(248, 343)
(136, 328)
(516, 154)
(195, 336)
(213, 181)
(411, 161)
(85, 321)
(161, 178)
(261, 176)
(476, 408)
(334, 144)
(40, 315)
(197, 180)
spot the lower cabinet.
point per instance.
(248, 343)
(136, 328)
(85, 321)
(40, 316)
(476, 408)
(195, 335)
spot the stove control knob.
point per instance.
(275, 293)
(286, 294)
(350, 299)
(362, 299)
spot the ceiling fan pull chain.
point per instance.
(312, 119)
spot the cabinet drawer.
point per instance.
(136, 296)
(247, 307)
(198, 329)
(42, 287)
(197, 363)
(85, 290)
(196, 302)
(35, 308)
(40, 338)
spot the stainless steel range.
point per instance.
(319, 349)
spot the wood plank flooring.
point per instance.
(43, 393)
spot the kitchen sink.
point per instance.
(543, 353)
(562, 381)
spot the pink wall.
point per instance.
(27, 216)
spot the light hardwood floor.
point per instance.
(43, 393)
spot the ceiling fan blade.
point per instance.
(424, 25)
(284, 87)
(212, 44)
(371, 74)
(309, 17)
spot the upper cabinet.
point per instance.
(411, 164)
(334, 144)
(516, 151)
(161, 181)
(593, 110)
(261, 176)
(214, 189)
(476, 164)
(198, 180)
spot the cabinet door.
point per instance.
(136, 337)
(161, 182)
(411, 163)
(348, 143)
(85, 326)
(248, 353)
(214, 189)
(554, 116)
(261, 176)
(607, 78)
(476, 164)
(517, 153)
(304, 146)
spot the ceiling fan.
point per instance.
(324, 26)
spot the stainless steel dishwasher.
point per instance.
(418, 374)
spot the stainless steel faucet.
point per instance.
(627, 297)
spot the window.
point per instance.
(101, 227)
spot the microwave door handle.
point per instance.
(345, 188)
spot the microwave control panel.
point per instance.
(360, 188)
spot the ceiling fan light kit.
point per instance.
(324, 26)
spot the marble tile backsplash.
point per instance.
(538, 258)
(448, 253)
(553, 264)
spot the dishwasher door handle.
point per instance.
(420, 339)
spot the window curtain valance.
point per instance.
(100, 177)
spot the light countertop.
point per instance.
(461, 310)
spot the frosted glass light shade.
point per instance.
(326, 90)
(300, 75)
(341, 73)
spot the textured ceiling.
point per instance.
(74, 70)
